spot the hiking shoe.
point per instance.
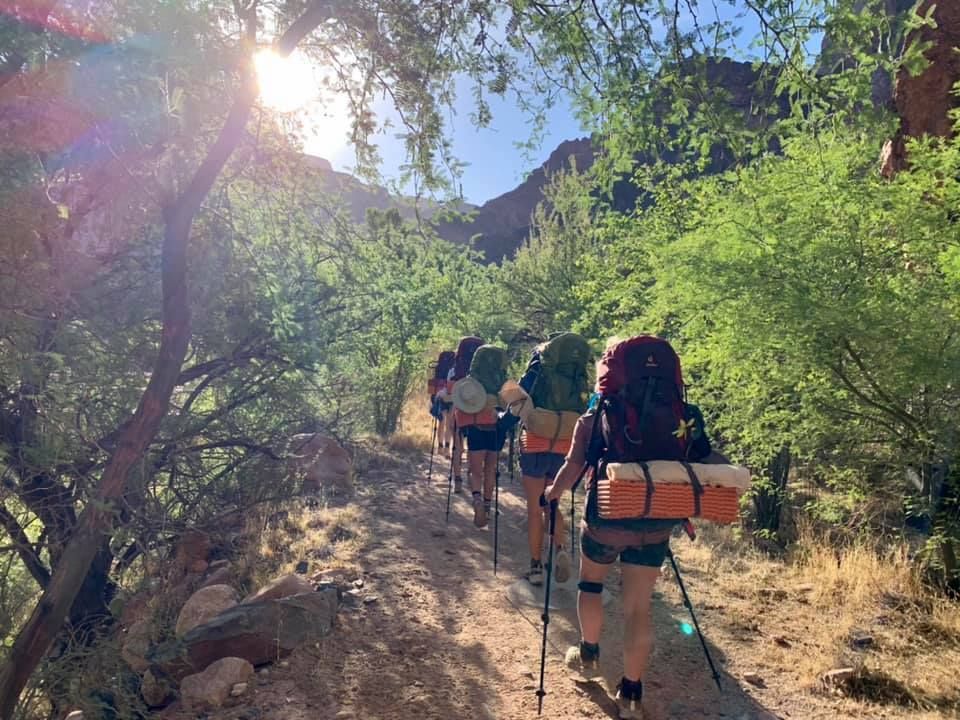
(562, 565)
(583, 661)
(629, 695)
(458, 485)
(479, 513)
(534, 575)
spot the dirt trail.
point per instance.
(433, 635)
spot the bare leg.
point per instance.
(590, 605)
(457, 453)
(476, 460)
(489, 473)
(533, 487)
(638, 583)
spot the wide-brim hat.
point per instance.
(469, 395)
(516, 400)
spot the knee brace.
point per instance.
(594, 588)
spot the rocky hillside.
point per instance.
(501, 224)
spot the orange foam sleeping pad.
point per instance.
(485, 417)
(626, 499)
(530, 443)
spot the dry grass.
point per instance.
(414, 430)
(326, 538)
(804, 615)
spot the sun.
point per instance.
(297, 85)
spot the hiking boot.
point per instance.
(584, 661)
(458, 485)
(629, 694)
(479, 512)
(534, 575)
(562, 565)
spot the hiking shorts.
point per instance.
(541, 464)
(481, 440)
(647, 555)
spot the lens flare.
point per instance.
(686, 628)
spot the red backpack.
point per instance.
(440, 370)
(464, 356)
(641, 402)
(444, 362)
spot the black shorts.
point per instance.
(541, 465)
(646, 555)
(480, 440)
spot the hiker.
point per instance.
(461, 366)
(643, 417)
(557, 386)
(475, 398)
(441, 406)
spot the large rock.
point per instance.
(204, 604)
(156, 689)
(136, 643)
(320, 463)
(222, 575)
(192, 548)
(259, 632)
(211, 688)
(280, 588)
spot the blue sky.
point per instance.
(494, 164)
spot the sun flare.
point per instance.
(297, 85)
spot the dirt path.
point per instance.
(432, 635)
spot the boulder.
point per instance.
(280, 588)
(136, 643)
(203, 605)
(212, 687)
(320, 462)
(258, 632)
(135, 608)
(218, 576)
(192, 547)
(156, 689)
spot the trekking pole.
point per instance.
(496, 516)
(433, 442)
(546, 606)
(689, 606)
(453, 452)
(573, 510)
(510, 458)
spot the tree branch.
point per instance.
(28, 556)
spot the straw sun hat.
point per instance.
(469, 395)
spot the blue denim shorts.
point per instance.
(541, 464)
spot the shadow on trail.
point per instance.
(432, 643)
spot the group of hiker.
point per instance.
(640, 449)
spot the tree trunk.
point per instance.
(97, 520)
(924, 101)
(768, 498)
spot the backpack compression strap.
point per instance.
(696, 485)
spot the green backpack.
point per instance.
(489, 367)
(562, 384)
